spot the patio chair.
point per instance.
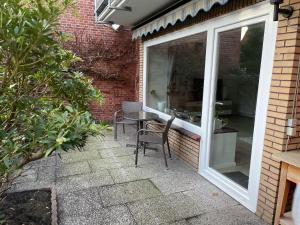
(127, 107)
(146, 136)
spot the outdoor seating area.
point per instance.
(95, 185)
(132, 113)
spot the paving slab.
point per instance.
(27, 175)
(49, 161)
(152, 211)
(30, 186)
(115, 152)
(91, 147)
(102, 164)
(79, 203)
(74, 220)
(115, 215)
(123, 175)
(98, 179)
(181, 222)
(156, 157)
(163, 210)
(78, 156)
(129, 160)
(210, 198)
(184, 206)
(177, 181)
(109, 144)
(73, 169)
(236, 215)
(47, 173)
(128, 192)
(85, 181)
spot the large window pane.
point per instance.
(175, 77)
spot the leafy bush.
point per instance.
(43, 105)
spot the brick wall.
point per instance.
(279, 110)
(185, 147)
(80, 23)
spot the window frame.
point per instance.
(259, 12)
(161, 40)
(179, 122)
(208, 26)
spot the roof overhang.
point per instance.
(142, 14)
(116, 11)
(180, 14)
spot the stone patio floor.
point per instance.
(101, 185)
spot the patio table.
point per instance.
(140, 118)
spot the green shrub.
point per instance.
(43, 105)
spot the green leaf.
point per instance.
(69, 108)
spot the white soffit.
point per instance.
(181, 13)
(140, 10)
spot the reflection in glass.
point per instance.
(239, 63)
(175, 77)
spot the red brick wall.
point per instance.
(80, 22)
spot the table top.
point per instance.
(141, 116)
(290, 157)
(225, 130)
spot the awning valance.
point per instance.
(179, 14)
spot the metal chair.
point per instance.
(127, 107)
(146, 136)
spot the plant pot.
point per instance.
(218, 124)
(161, 106)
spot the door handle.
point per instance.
(219, 103)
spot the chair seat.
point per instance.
(125, 121)
(150, 138)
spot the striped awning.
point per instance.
(179, 14)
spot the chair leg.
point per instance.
(136, 152)
(164, 153)
(123, 128)
(169, 148)
(144, 148)
(115, 131)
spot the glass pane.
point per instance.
(175, 77)
(240, 53)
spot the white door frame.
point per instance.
(244, 17)
(253, 14)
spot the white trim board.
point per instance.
(250, 15)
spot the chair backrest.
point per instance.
(167, 128)
(129, 107)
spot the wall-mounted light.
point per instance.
(286, 11)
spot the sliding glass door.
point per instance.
(215, 77)
(237, 82)
(237, 87)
